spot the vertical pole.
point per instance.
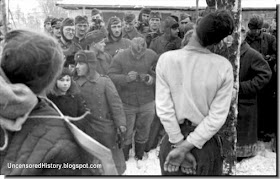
(4, 16)
(228, 131)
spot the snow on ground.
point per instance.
(264, 163)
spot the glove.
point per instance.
(120, 136)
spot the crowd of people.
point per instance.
(143, 81)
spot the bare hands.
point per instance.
(188, 166)
(174, 160)
(132, 75)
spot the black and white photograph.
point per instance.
(143, 88)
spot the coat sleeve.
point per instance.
(115, 104)
(115, 72)
(262, 75)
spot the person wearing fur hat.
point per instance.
(81, 28)
(193, 95)
(131, 72)
(47, 25)
(143, 20)
(265, 44)
(129, 31)
(116, 42)
(169, 40)
(67, 43)
(40, 135)
(56, 24)
(101, 97)
(96, 40)
(154, 27)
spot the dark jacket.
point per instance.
(103, 62)
(164, 43)
(253, 76)
(150, 35)
(112, 47)
(82, 42)
(135, 93)
(69, 51)
(130, 35)
(264, 43)
(44, 141)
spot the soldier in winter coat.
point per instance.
(102, 99)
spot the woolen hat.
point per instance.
(81, 19)
(94, 36)
(255, 22)
(48, 19)
(56, 22)
(155, 15)
(85, 56)
(95, 11)
(184, 16)
(68, 22)
(145, 10)
(129, 17)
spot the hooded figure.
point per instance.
(143, 24)
(102, 98)
(169, 40)
(66, 41)
(115, 41)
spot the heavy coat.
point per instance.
(134, 93)
(103, 62)
(253, 76)
(44, 141)
(130, 35)
(163, 43)
(69, 51)
(102, 99)
(112, 47)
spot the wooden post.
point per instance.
(228, 131)
(4, 16)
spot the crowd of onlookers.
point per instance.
(109, 72)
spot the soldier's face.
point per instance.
(69, 32)
(128, 26)
(56, 31)
(48, 26)
(174, 32)
(154, 23)
(145, 17)
(82, 68)
(100, 45)
(97, 16)
(82, 28)
(116, 29)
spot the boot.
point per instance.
(139, 150)
(126, 149)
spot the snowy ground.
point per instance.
(262, 164)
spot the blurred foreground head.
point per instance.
(32, 59)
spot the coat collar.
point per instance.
(82, 80)
(244, 47)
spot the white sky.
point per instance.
(25, 5)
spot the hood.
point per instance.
(138, 47)
(113, 20)
(168, 23)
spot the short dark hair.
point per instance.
(255, 22)
(215, 26)
(32, 59)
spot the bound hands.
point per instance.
(180, 157)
